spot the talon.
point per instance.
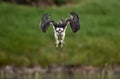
(57, 43)
(62, 42)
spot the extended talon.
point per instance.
(57, 43)
(62, 42)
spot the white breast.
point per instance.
(59, 30)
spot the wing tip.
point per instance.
(73, 13)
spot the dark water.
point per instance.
(61, 75)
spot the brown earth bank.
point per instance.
(70, 69)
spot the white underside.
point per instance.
(61, 40)
(59, 35)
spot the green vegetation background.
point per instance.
(97, 43)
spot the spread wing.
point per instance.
(45, 22)
(74, 22)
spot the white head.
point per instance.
(59, 30)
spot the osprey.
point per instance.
(60, 27)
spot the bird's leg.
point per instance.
(57, 41)
(62, 39)
(56, 37)
(63, 36)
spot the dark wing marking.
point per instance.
(74, 22)
(45, 22)
(63, 23)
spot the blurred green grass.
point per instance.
(97, 43)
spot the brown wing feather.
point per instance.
(74, 22)
(45, 22)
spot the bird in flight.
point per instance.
(60, 27)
